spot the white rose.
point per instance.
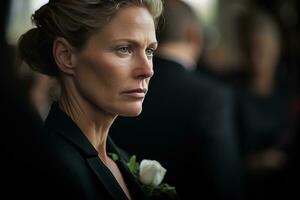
(151, 172)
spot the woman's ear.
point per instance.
(63, 53)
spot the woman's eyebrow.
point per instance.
(135, 42)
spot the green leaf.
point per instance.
(148, 189)
(163, 190)
(114, 156)
(133, 166)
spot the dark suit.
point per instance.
(71, 168)
(186, 124)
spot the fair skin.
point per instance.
(108, 77)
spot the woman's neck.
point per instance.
(93, 122)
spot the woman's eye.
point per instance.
(124, 50)
(150, 52)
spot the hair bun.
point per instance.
(30, 45)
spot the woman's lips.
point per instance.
(139, 93)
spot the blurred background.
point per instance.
(251, 45)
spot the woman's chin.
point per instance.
(131, 111)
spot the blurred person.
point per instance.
(5, 7)
(101, 52)
(40, 94)
(40, 89)
(20, 124)
(263, 104)
(187, 119)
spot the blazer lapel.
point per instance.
(131, 182)
(107, 178)
(62, 124)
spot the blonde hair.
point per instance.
(76, 21)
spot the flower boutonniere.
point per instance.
(150, 174)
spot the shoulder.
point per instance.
(63, 170)
(59, 151)
(189, 83)
(207, 91)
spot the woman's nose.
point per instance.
(144, 67)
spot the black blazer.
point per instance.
(186, 124)
(71, 169)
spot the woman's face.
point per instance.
(113, 70)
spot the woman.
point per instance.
(101, 52)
